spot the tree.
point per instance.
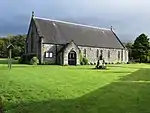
(19, 44)
(17, 41)
(1, 48)
(141, 48)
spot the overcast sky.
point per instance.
(129, 18)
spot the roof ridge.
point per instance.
(89, 26)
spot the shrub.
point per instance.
(34, 61)
(81, 59)
(91, 63)
(65, 65)
(118, 63)
(17, 58)
(25, 59)
(48, 63)
(85, 61)
(81, 62)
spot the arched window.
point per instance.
(84, 53)
(97, 53)
(101, 52)
(118, 55)
(121, 55)
(125, 56)
(108, 54)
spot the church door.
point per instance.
(72, 57)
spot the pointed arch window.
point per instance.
(118, 55)
(101, 52)
(108, 54)
(84, 53)
(97, 53)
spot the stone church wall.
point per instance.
(91, 54)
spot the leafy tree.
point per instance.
(19, 45)
(141, 48)
(1, 47)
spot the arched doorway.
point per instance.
(72, 57)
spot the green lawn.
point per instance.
(81, 89)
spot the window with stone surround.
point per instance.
(121, 55)
(102, 52)
(108, 54)
(118, 55)
(97, 53)
(84, 53)
(48, 54)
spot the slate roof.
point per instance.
(59, 32)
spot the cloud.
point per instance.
(128, 17)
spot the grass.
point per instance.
(5, 61)
(81, 89)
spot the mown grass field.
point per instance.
(80, 89)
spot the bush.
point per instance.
(17, 58)
(25, 59)
(118, 63)
(48, 63)
(91, 63)
(82, 63)
(85, 61)
(34, 61)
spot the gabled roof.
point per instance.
(59, 32)
(66, 45)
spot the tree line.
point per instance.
(139, 50)
(17, 41)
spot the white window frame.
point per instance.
(49, 55)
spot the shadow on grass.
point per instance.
(117, 97)
(124, 66)
(140, 75)
(92, 68)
